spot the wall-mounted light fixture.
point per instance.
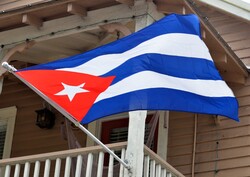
(45, 118)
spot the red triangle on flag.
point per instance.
(74, 92)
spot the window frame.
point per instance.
(8, 115)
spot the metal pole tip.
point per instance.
(5, 65)
(8, 67)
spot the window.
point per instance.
(114, 131)
(3, 130)
(7, 123)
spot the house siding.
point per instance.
(28, 138)
(221, 150)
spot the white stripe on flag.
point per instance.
(149, 80)
(175, 44)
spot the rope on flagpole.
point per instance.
(12, 70)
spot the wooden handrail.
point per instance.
(160, 161)
(84, 151)
(61, 154)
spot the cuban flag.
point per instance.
(165, 66)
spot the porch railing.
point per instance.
(83, 162)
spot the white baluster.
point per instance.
(169, 174)
(78, 166)
(111, 166)
(17, 170)
(163, 173)
(121, 173)
(67, 167)
(7, 171)
(47, 168)
(37, 169)
(100, 164)
(57, 168)
(26, 169)
(158, 170)
(89, 165)
(152, 168)
(146, 166)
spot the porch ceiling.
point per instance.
(35, 14)
(12, 12)
(65, 46)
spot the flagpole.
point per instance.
(12, 70)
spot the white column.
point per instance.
(134, 153)
(136, 129)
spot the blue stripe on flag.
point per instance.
(189, 68)
(162, 99)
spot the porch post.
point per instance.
(134, 153)
(137, 119)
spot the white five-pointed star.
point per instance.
(71, 90)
